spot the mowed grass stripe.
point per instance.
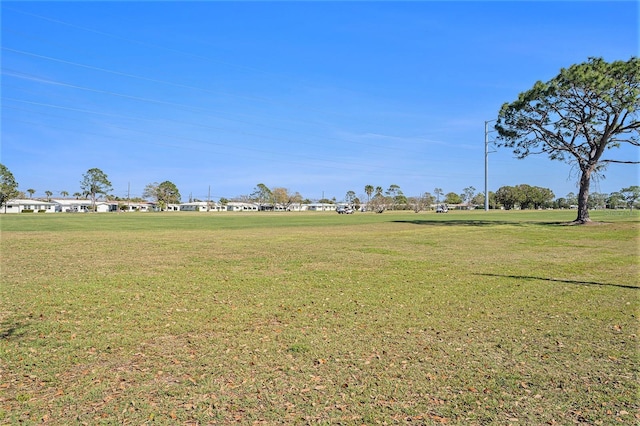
(464, 318)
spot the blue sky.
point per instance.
(317, 97)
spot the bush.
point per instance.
(27, 211)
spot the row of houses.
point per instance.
(83, 206)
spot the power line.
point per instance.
(161, 47)
(138, 77)
(327, 163)
(42, 80)
(167, 103)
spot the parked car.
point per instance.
(344, 210)
(442, 208)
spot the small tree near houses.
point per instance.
(8, 186)
(95, 183)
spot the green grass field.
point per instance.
(468, 318)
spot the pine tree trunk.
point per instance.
(583, 197)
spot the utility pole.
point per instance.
(486, 164)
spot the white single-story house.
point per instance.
(136, 207)
(322, 207)
(72, 206)
(30, 206)
(83, 206)
(297, 207)
(235, 206)
(201, 206)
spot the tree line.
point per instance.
(95, 183)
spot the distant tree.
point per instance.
(163, 194)
(478, 199)
(576, 117)
(31, 191)
(400, 202)
(414, 203)
(421, 202)
(438, 193)
(350, 197)
(8, 186)
(64, 194)
(467, 195)
(150, 192)
(561, 203)
(597, 200)
(368, 189)
(94, 183)
(357, 203)
(48, 194)
(379, 202)
(391, 192)
(533, 196)
(524, 196)
(224, 201)
(508, 196)
(77, 195)
(572, 199)
(452, 198)
(263, 196)
(631, 195)
(493, 202)
(615, 200)
(542, 197)
(428, 200)
(284, 198)
(396, 199)
(169, 192)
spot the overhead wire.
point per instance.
(44, 80)
(192, 108)
(179, 51)
(25, 76)
(327, 162)
(39, 79)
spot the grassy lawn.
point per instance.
(469, 318)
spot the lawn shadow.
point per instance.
(526, 277)
(10, 330)
(466, 222)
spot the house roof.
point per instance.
(30, 201)
(200, 203)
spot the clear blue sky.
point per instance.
(317, 97)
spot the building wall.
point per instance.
(18, 206)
